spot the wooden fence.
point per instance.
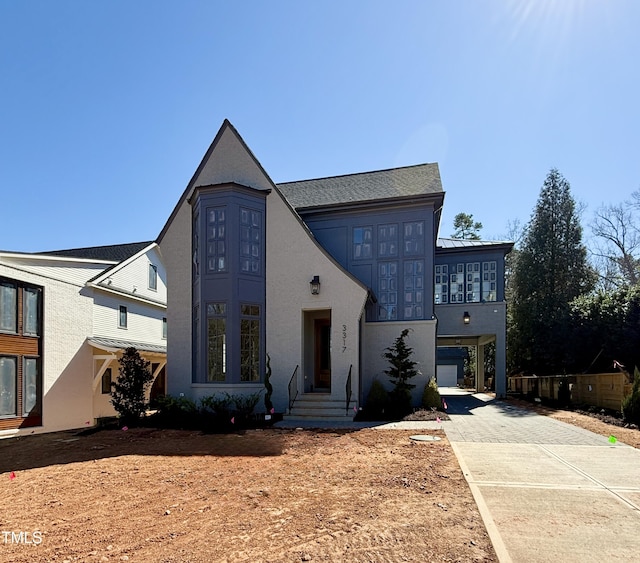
(605, 390)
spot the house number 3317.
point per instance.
(344, 338)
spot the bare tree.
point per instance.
(616, 249)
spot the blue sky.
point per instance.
(108, 106)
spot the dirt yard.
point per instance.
(272, 495)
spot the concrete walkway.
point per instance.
(547, 491)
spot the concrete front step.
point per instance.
(311, 418)
(317, 406)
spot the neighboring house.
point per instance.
(65, 318)
(320, 276)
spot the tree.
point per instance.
(465, 227)
(551, 270)
(129, 391)
(401, 369)
(617, 246)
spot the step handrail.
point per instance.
(293, 388)
(348, 388)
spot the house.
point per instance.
(317, 278)
(65, 318)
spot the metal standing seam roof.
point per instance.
(421, 179)
(450, 243)
(113, 344)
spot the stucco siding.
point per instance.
(176, 253)
(293, 259)
(379, 336)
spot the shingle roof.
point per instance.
(114, 252)
(421, 179)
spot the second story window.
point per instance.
(122, 317)
(164, 327)
(8, 307)
(153, 277)
(216, 238)
(362, 242)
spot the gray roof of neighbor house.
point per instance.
(114, 252)
(421, 179)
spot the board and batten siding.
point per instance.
(135, 275)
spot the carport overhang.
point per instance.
(478, 342)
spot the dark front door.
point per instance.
(322, 355)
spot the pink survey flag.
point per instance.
(273, 410)
(125, 428)
(12, 476)
(444, 404)
(233, 420)
(438, 419)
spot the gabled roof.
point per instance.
(112, 253)
(393, 183)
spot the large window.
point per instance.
(217, 342)
(442, 284)
(471, 282)
(387, 291)
(249, 343)
(8, 306)
(250, 241)
(388, 241)
(414, 238)
(362, 242)
(8, 386)
(216, 240)
(21, 310)
(413, 289)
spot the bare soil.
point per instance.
(259, 496)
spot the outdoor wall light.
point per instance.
(315, 285)
(466, 317)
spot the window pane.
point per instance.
(217, 349)
(106, 382)
(122, 321)
(153, 277)
(8, 307)
(30, 386)
(250, 350)
(164, 327)
(8, 376)
(31, 310)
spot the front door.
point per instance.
(322, 355)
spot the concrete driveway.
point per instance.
(547, 491)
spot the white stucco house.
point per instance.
(319, 276)
(65, 317)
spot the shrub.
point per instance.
(631, 403)
(129, 390)
(175, 412)
(245, 404)
(431, 396)
(376, 400)
(213, 404)
(268, 405)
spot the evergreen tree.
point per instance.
(128, 395)
(401, 369)
(550, 272)
(465, 227)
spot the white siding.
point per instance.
(144, 322)
(134, 275)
